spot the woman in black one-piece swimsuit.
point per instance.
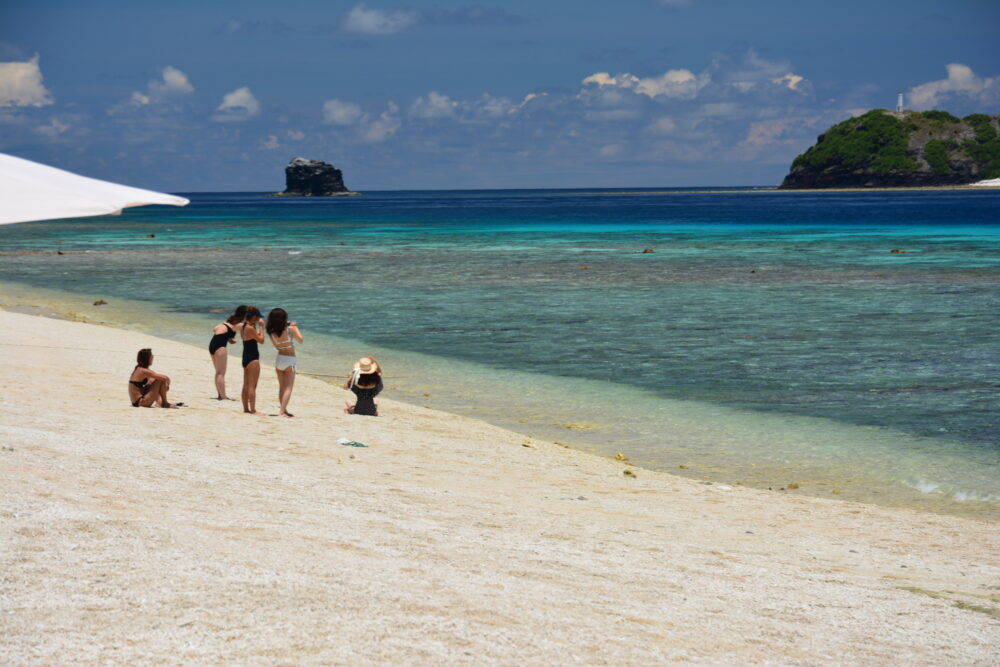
(252, 334)
(223, 335)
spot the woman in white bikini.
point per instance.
(283, 335)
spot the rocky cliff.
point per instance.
(313, 178)
(885, 149)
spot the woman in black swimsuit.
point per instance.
(252, 334)
(224, 334)
(145, 386)
(365, 381)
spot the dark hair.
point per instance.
(252, 311)
(144, 358)
(367, 381)
(238, 315)
(277, 320)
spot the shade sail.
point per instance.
(32, 191)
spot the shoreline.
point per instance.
(206, 535)
(706, 442)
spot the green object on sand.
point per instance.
(352, 443)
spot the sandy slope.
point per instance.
(204, 535)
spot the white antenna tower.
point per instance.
(899, 102)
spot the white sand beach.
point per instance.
(203, 535)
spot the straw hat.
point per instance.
(366, 365)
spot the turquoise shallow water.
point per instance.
(768, 337)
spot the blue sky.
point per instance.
(201, 96)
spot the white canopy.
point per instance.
(32, 191)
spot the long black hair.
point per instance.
(277, 320)
(238, 315)
(367, 381)
(144, 358)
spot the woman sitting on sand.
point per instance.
(145, 386)
(223, 334)
(283, 335)
(365, 381)
(252, 333)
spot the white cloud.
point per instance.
(172, 84)
(523, 103)
(434, 105)
(663, 125)
(492, 107)
(295, 135)
(21, 85)
(271, 143)
(790, 81)
(336, 112)
(237, 105)
(610, 150)
(376, 22)
(53, 129)
(384, 126)
(756, 73)
(961, 81)
(675, 83)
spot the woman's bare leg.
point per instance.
(151, 396)
(251, 374)
(219, 359)
(245, 393)
(286, 380)
(164, 403)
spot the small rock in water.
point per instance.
(628, 473)
(150, 236)
(620, 457)
(646, 251)
(683, 467)
(793, 486)
(100, 302)
(60, 252)
(836, 491)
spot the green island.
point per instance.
(885, 149)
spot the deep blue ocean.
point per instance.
(853, 332)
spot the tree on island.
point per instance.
(882, 148)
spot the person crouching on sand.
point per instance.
(223, 334)
(146, 386)
(283, 335)
(252, 333)
(365, 381)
